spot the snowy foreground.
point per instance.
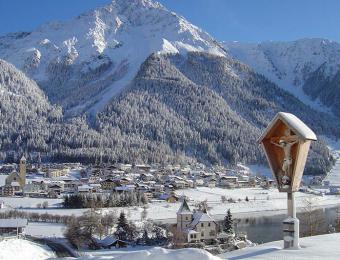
(19, 249)
(155, 253)
(317, 247)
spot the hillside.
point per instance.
(23, 107)
(207, 107)
(308, 68)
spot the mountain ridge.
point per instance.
(100, 51)
(293, 65)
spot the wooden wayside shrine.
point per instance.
(286, 142)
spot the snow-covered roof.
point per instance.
(15, 183)
(299, 127)
(191, 231)
(109, 240)
(201, 217)
(13, 222)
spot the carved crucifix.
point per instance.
(286, 143)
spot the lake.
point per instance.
(263, 229)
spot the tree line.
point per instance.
(115, 199)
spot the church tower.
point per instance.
(22, 171)
(184, 216)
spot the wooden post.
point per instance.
(291, 224)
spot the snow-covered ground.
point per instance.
(316, 247)
(155, 253)
(26, 202)
(17, 249)
(45, 229)
(261, 201)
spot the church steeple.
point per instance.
(184, 209)
(22, 171)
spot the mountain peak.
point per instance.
(99, 52)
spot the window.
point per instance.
(194, 235)
(209, 224)
(186, 218)
(202, 234)
(202, 224)
(191, 236)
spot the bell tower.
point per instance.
(22, 171)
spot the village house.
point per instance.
(229, 181)
(12, 226)
(195, 226)
(55, 188)
(36, 188)
(84, 189)
(108, 184)
(56, 172)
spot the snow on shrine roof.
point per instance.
(299, 127)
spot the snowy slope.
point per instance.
(20, 249)
(95, 55)
(290, 64)
(316, 247)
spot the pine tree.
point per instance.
(122, 229)
(228, 223)
(145, 238)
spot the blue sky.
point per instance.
(242, 20)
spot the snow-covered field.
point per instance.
(261, 201)
(17, 249)
(316, 247)
(26, 202)
(45, 229)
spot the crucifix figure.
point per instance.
(286, 142)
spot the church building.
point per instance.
(16, 181)
(195, 226)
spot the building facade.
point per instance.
(195, 226)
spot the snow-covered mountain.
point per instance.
(184, 98)
(82, 63)
(293, 64)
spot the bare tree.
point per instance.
(337, 221)
(45, 204)
(312, 218)
(144, 213)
